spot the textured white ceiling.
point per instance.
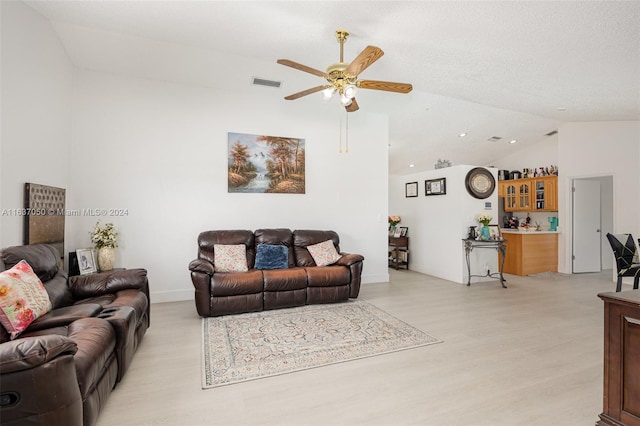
(498, 68)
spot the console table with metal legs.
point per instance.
(498, 245)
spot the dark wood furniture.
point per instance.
(621, 393)
(399, 252)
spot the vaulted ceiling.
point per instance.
(512, 69)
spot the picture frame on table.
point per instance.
(411, 189)
(403, 231)
(397, 233)
(86, 261)
(435, 186)
(392, 230)
(494, 232)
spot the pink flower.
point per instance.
(25, 317)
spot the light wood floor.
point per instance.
(530, 354)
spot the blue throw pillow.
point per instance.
(272, 257)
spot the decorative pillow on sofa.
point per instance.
(230, 258)
(22, 298)
(324, 253)
(272, 257)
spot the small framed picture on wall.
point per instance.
(435, 186)
(411, 189)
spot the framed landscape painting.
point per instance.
(265, 164)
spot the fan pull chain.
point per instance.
(347, 131)
(340, 130)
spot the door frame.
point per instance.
(604, 227)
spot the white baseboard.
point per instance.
(379, 278)
(171, 296)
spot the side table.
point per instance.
(399, 246)
(498, 245)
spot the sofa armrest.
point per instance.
(30, 352)
(202, 266)
(83, 286)
(349, 259)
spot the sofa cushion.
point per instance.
(304, 238)
(43, 258)
(285, 280)
(276, 236)
(207, 240)
(230, 258)
(328, 276)
(232, 284)
(270, 256)
(22, 298)
(324, 253)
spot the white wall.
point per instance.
(541, 154)
(36, 112)
(437, 224)
(600, 149)
(160, 150)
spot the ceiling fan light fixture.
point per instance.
(345, 100)
(328, 93)
(350, 91)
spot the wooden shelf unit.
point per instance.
(530, 194)
(399, 247)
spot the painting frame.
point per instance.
(411, 189)
(86, 261)
(265, 164)
(435, 186)
(403, 231)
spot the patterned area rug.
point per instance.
(243, 347)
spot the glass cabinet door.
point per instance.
(510, 198)
(523, 196)
(540, 195)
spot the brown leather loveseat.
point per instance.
(297, 282)
(62, 368)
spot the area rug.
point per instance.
(238, 348)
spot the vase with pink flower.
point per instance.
(393, 221)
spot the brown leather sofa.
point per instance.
(63, 367)
(302, 282)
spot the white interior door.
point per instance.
(586, 226)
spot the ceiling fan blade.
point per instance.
(368, 56)
(305, 93)
(353, 106)
(301, 67)
(387, 86)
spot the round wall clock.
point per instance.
(480, 182)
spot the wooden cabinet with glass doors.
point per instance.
(530, 194)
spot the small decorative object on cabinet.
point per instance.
(106, 258)
(105, 240)
(621, 404)
(86, 261)
(399, 252)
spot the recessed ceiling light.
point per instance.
(562, 109)
(513, 141)
(412, 165)
(462, 135)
